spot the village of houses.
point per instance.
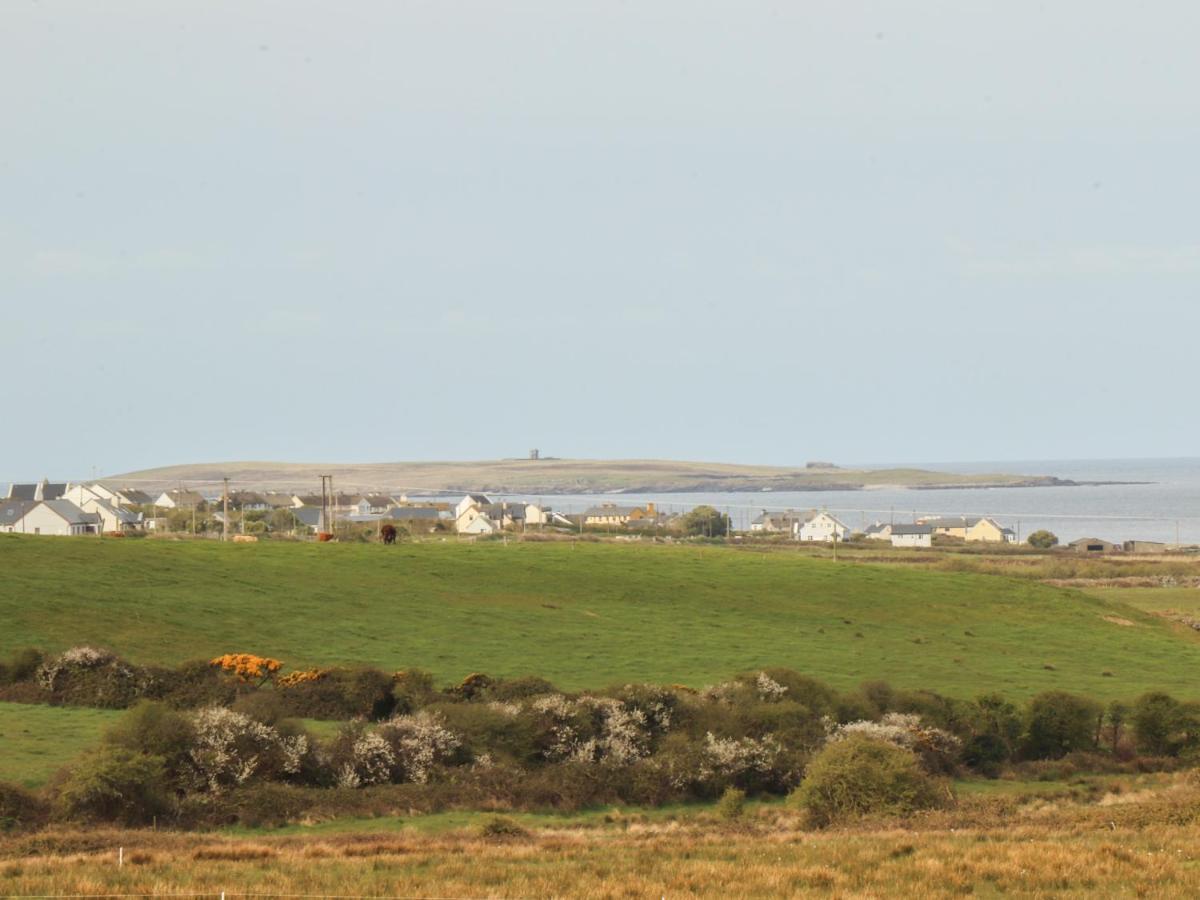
(96, 508)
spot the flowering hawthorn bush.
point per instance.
(230, 748)
(77, 658)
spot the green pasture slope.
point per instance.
(35, 741)
(587, 615)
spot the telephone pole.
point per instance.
(225, 510)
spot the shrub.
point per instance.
(501, 828)
(1043, 539)
(230, 748)
(519, 689)
(1163, 726)
(860, 775)
(87, 676)
(491, 729)
(264, 706)
(20, 808)
(936, 749)
(412, 689)
(154, 729)
(419, 743)
(247, 667)
(21, 666)
(732, 804)
(995, 732)
(1058, 723)
(115, 785)
(338, 694)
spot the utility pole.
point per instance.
(225, 510)
(324, 523)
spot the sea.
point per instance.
(1143, 499)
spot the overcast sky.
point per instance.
(753, 232)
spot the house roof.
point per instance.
(135, 497)
(1090, 540)
(49, 491)
(912, 529)
(879, 528)
(308, 515)
(413, 512)
(478, 498)
(185, 498)
(68, 511)
(951, 521)
(12, 511)
(607, 511)
(122, 514)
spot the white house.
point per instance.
(12, 512)
(56, 517)
(912, 535)
(475, 522)
(178, 500)
(820, 526)
(537, 515)
(468, 502)
(112, 517)
(879, 531)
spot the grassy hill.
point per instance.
(583, 615)
(554, 476)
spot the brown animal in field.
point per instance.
(388, 534)
(245, 539)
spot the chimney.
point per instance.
(649, 509)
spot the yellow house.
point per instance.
(990, 530)
(971, 528)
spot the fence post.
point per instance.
(120, 857)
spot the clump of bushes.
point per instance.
(863, 775)
(219, 743)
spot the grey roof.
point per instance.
(512, 510)
(479, 498)
(124, 515)
(953, 521)
(413, 512)
(308, 515)
(135, 497)
(877, 527)
(11, 511)
(49, 491)
(72, 513)
(912, 529)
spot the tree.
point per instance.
(1058, 723)
(1043, 539)
(705, 521)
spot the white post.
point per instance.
(120, 857)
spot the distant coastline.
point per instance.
(551, 477)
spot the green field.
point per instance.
(1160, 599)
(583, 615)
(36, 740)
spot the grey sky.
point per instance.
(743, 231)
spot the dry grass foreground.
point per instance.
(1144, 844)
